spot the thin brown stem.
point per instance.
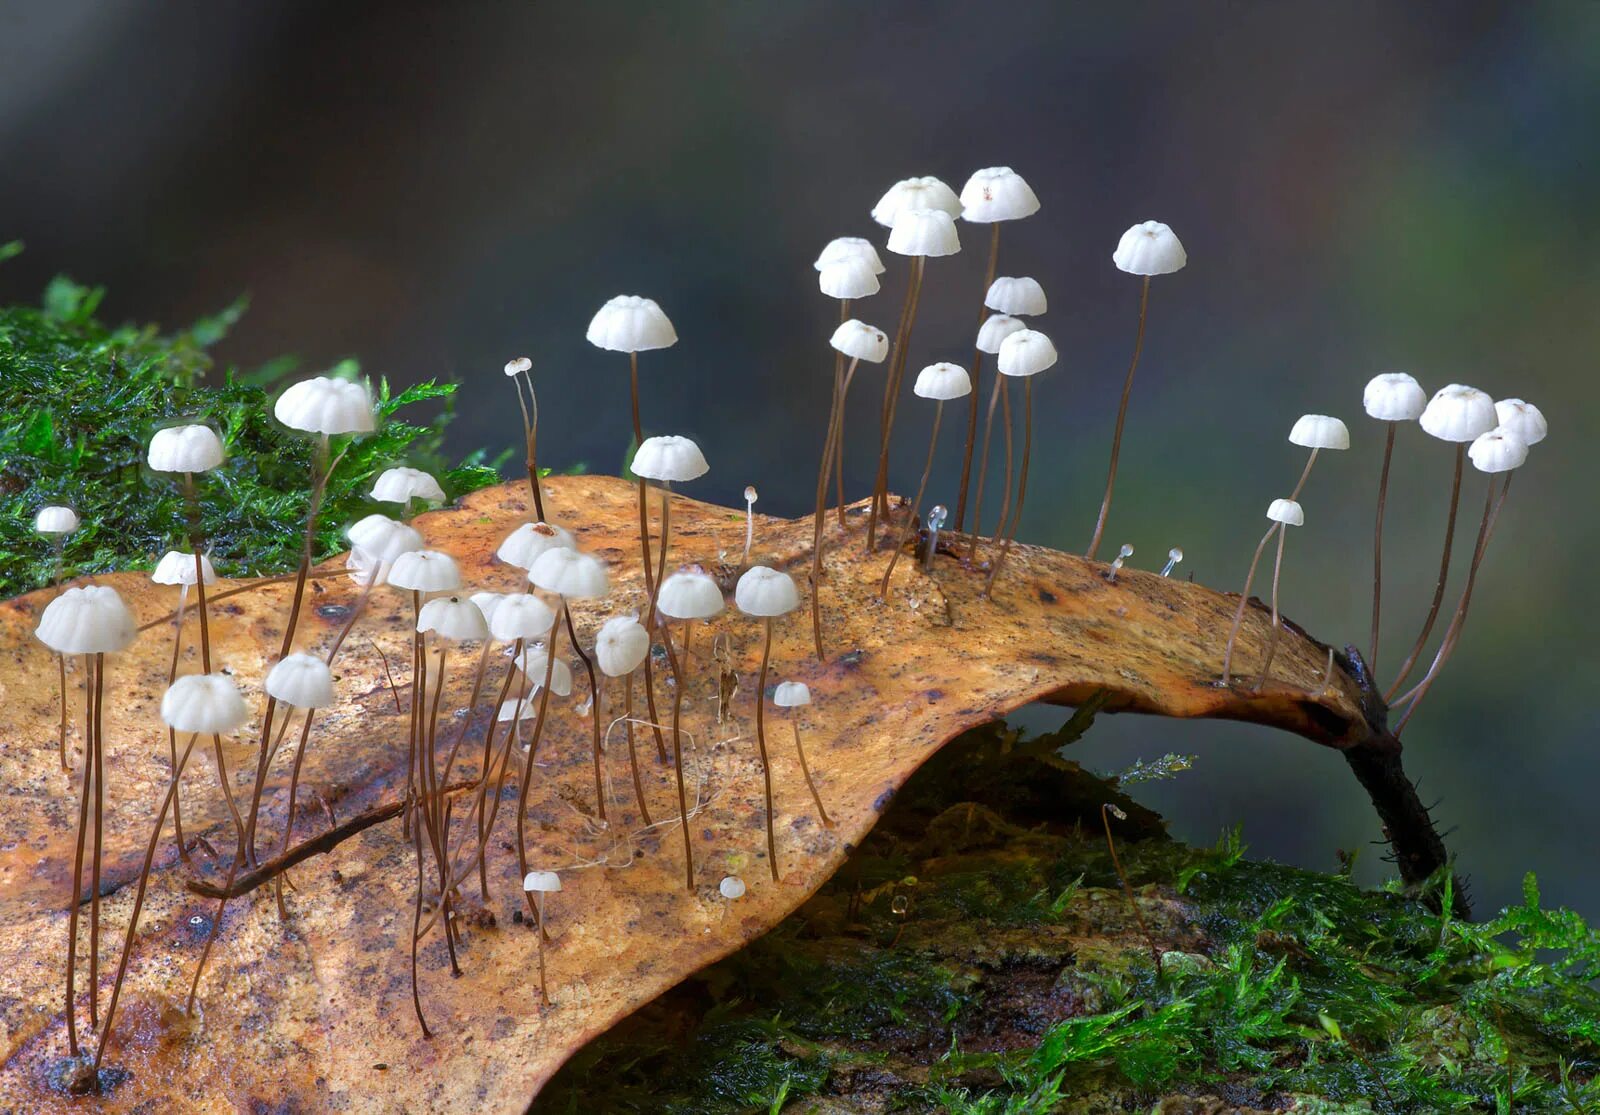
(1244, 602)
(433, 810)
(252, 586)
(633, 758)
(483, 775)
(891, 395)
(1377, 546)
(1305, 474)
(530, 434)
(922, 487)
(138, 898)
(1127, 888)
(677, 756)
(61, 659)
(1444, 573)
(99, 835)
(761, 742)
(983, 467)
(806, 770)
(644, 551)
(1277, 616)
(1022, 483)
(294, 782)
(172, 735)
(830, 442)
(977, 364)
(538, 909)
(416, 922)
(533, 752)
(1122, 415)
(77, 856)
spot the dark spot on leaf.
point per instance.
(333, 611)
(1046, 596)
(882, 801)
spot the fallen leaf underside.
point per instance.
(301, 1015)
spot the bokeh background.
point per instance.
(1361, 187)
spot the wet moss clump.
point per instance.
(79, 401)
(978, 955)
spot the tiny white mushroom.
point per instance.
(1523, 419)
(629, 323)
(1016, 297)
(402, 485)
(846, 249)
(185, 449)
(995, 194)
(923, 233)
(326, 406)
(301, 681)
(915, 193)
(523, 546)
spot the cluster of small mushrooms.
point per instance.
(451, 823)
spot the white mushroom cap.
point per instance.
(621, 645)
(542, 881)
(321, 405)
(1286, 511)
(1319, 431)
(487, 602)
(1150, 248)
(1459, 413)
(204, 704)
(54, 519)
(994, 331)
(365, 569)
(1394, 397)
(732, 887)
(924, 232)
(1499, 450)
(628, 323)
(185, 449)
(523, 546)
(518, 366)
(763, 591)
(997, 193)
(516, 708)
(453, 617)
(845, 248)
(689, 595)
(519, 615)
(860, 341)
(177, 568)
(301, 680)
(1016, 296)
(670, 459)
(382, 539)
(533, 662)
(915, 193)
(87, 620)
(849, 278)
(400, 485)
(425, 571)
(791, 694)
(942, 381)
(1523, 419)
(569, 573)
(1026, 352)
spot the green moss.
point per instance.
(977, 955)
(80, 400)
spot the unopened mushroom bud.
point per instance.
(749, 521)
(518, 366)
(1123, 554)
(732, 888)
(1174, 556)
(938, 514)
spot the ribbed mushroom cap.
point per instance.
(301, 680)
(621, 646)
(763, 591)
(523, 546)
(994, 331)
(425, 571)
(849, 278)
(1459, 413)
(1523, 419)
(915, 193)
(791, 694)
(1286, 511)
(569, 573)
(383, 539)
(1150, 248)
(843, 249)
(669, 458)
(402, 484)
(204, 704)
(177, 568)
(1026, 352)
(321, 405)
(1394, 397)
(860, 341)
(185, 449)
(54, 519)
(364, 569)
(533, 661)
(453, 617)
(997, 193)
(689, 595)
(1320, 431)
(1016, 295)
(924, 232)
(541, 881)
(628, 323)
(1499, 450)
(519, 615)
(87, 620)
(942, 381)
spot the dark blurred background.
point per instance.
(1361, 187)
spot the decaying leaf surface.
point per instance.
(315, 1013)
